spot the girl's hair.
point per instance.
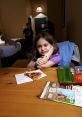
(48, 37)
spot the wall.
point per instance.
(73, 21)
(13, 16)
(56, 16)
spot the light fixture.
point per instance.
(39, 10)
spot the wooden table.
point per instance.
(23, 100)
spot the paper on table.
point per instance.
(21, 78)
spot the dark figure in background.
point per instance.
(27, 42)
(28, 34)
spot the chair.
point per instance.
(69, 51)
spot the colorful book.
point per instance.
(53, 91)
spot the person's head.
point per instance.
(43, 42)
(28, 25)
(29, 20)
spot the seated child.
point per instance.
(46, 53)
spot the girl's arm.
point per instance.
(46, 65)
(31, 64)
(55, 59)
(45, 58)
(49, 53)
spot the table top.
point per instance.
(23, 100)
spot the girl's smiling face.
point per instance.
(43, 46)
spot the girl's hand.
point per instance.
(50, 52)
(42, 60)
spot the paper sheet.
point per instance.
(21, 78)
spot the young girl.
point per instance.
(46, 51)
